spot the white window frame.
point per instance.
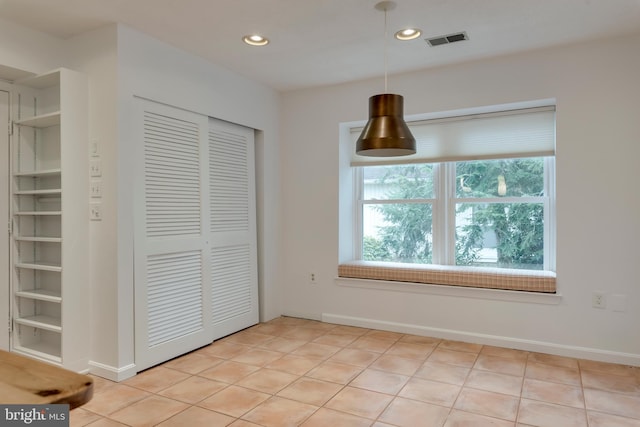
(444, 211)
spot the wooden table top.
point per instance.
(29, 381)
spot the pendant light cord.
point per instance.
(385, 50)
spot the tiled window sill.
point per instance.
(495, 284)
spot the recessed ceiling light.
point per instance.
(255, 40)
(408, 34)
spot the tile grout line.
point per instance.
(466, 378)
(524, 375)
(584, 396)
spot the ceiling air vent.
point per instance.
(451, 38)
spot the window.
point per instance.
(480, 192)
(485, 213)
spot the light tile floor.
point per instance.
(291, 372)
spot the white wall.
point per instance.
(29, 50)
(95, 54)
(597, 92)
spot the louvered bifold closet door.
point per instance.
(234, 281)
(172, 262)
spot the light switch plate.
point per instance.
(95, 167)
(95, 189)
(95, 211)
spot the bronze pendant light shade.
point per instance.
(386, 134)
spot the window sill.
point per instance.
(454, 291)
(432, 274)
(473, 282)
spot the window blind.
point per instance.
(505, 134)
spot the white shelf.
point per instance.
(52, 191)
(41, 295)
(47, 323)
(38, 173)
(41, 350)
(38, 239)
(39, 266)
(41, 81)
(38, 213)
(41, 121)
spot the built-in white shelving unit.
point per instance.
(50, 228)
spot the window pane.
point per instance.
(398, 182)
(397, 232)
(497, 178)
(505, 235)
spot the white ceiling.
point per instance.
(317, 42)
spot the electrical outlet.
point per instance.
(95, 211)
(598, 300)
(312, 278)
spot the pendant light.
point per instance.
(386, 134)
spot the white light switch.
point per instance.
(95, 189)
(95, 167)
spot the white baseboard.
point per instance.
(112, 373)
(498, 341)
(301, 315)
